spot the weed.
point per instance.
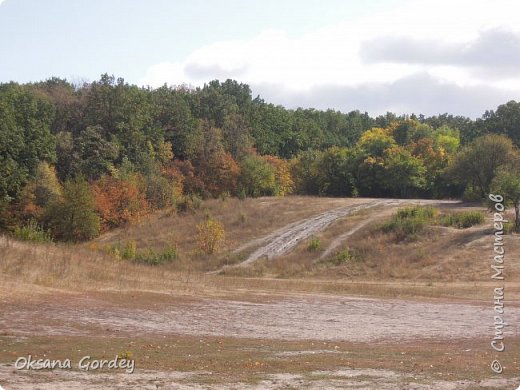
(408, 222)
(509, 228)
(125, 355)
(314, 244)
(342, 257)
(32, 232)
(462, 220)
(153, 257)
(242, 218)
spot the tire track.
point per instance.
(285, 239)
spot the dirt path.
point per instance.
(285, 239)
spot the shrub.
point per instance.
(419, 212)
(119, 201)
(32, 232)
(153, 257)
(257, 177)
(241, 194)
(462, 220)
(314, 244)
(159, 192)
(129, 250)
(408, 222)
(509, 228)
(211, 235)
(282, 175)
(189, 203)
(342, 257)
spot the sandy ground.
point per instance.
(299, 317)
(369, 379)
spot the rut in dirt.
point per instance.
(285, 239)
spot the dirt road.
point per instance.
(283, 240)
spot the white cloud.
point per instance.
(331, 58)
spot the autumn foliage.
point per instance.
(119, 201)
(211, 235)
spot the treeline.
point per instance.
(77, 160)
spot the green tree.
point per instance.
(159, 192)
(334, 177)
(404, 174)
(25, 137)
(94, 155)
(477, 163)
(507, 184)
(257, 177)
(73, 217)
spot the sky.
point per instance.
(403, 56)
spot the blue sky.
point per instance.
(405, 56)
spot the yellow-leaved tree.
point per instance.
(211, 235)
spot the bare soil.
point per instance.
(293, 317)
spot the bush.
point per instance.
(419, 212)
(509, 228)
(152, 257)
(159, 192)
(189, 203)
(408, 222)
(73, 217)
(342, 257)
(257, 177)
(129, 251)
(462, 220)
(211, 235)
(32, 232)
(314, 244)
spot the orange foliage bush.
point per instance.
(118, 201)
(221, 174)
(175, 176)
(191, 183)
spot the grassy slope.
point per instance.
(440, 258)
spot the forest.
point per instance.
(78, 160)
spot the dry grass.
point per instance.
(243, 220)
(438, 254)
(444, 262)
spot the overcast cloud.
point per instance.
(494, 52)
(425, 57)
